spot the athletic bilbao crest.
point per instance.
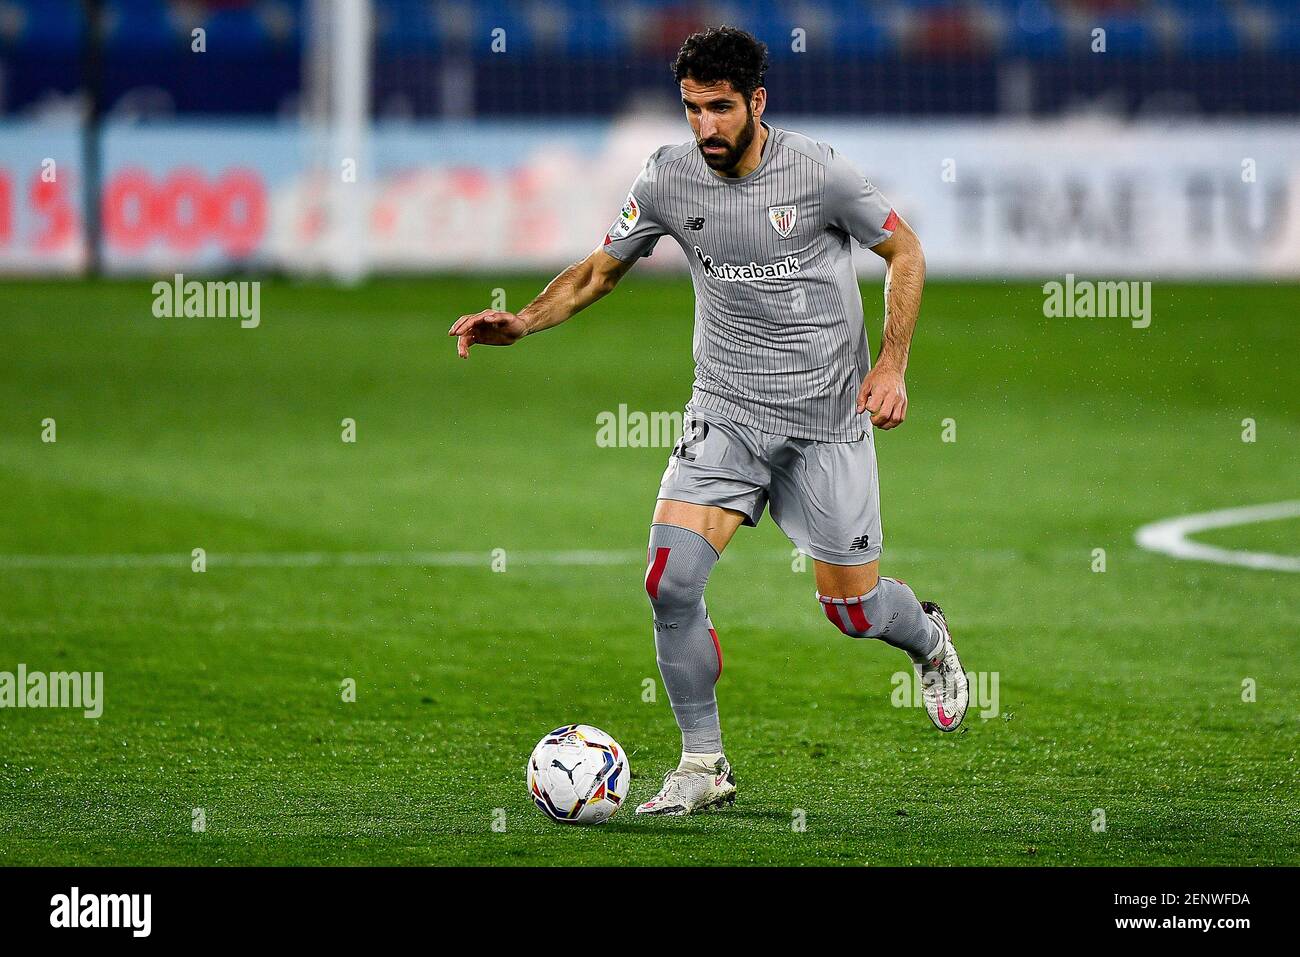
(782, 218)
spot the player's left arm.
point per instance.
(884, 391)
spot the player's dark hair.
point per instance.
(723, 54)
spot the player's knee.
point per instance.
(856, 617)
(678, 564)
(676, 586)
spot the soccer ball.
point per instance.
(578, 775)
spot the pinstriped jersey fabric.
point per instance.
(779, 339)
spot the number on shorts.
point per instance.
(692, 435)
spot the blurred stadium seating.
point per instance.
(1172, 153)
(587, 57)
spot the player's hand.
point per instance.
(491, 327)
(884, 395)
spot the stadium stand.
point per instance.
(594, 57)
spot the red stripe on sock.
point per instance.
(656, 571)
(717, 646)
(833, 615)
(858, 617)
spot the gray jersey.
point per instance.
(779, 339)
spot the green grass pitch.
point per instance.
(1119, 690)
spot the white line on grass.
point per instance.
(1169, 537)
(483, 559)
(320, 559)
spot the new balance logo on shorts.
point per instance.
(859, 543)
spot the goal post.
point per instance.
(336, 95)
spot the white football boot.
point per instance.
(943, 681)
(686, 792)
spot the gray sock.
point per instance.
(889, 612)
(690, 658)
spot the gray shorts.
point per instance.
(824, 495)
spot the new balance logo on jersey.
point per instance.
(727, 272)
(859, 543)
(694, 223)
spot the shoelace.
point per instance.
(663, 789)
(941, 679)
(684, 778)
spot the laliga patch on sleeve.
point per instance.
(627, 218)
(891, 222)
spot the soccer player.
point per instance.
(785, 395)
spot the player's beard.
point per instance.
(726, 161)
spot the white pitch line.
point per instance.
(1169, 537)
(321, 559)
(483, 559)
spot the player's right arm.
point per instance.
(564, 297)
